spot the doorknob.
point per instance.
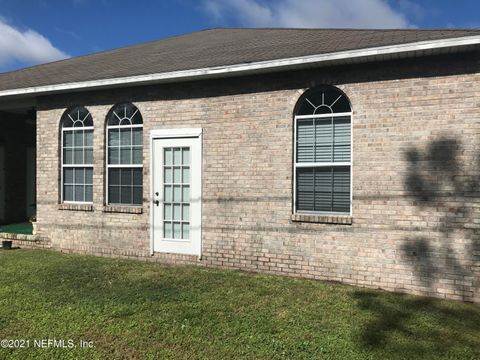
(156, 202)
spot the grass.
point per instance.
(22, 228)
(137, 310)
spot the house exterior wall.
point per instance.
(415, 171)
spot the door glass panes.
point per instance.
(176, 193)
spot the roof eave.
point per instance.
(420, 48)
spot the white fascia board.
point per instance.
(238, 69)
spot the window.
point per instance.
(323, 152)
(124, 155)
(77, 156)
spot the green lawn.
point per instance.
(132, 309)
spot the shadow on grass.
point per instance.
(417, 325)
(127, 307)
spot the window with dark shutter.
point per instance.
(323, 152)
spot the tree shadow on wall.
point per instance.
(444, 187)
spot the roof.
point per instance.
(212, 49)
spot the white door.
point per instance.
(176, 195)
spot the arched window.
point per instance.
(77, 156)
(323, 152)
(124, 155)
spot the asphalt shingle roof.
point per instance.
(210, 48)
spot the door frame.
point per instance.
(181, 133)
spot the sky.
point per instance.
(39, 31)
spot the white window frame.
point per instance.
(71, 166)
(121, 166)
(321, 164)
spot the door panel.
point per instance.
(177, 195)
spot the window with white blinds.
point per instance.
(323, 152)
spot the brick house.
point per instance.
(344, 155)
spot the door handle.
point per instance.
(156, 202)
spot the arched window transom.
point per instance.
(77, 156)
(124, 155)
(323, 101)
(125, 114)
(323, 152)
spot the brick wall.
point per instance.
(415, 176)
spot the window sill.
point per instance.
(123, 209)
(323, 219)
(75, 207)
